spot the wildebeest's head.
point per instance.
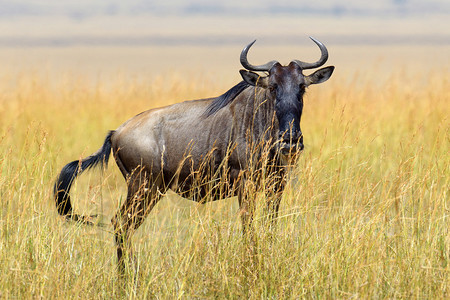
(286, 86)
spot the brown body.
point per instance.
(149, 140)
(207, 149)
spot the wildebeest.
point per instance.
(206, 149)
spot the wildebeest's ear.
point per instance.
(253, 78)
(319, 76)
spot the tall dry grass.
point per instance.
(365, 215)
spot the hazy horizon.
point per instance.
(85, 9)
(199, 22)
(141, 37)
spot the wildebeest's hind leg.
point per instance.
(143, 194)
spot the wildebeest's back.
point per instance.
(161, 139)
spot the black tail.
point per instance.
(71, 171)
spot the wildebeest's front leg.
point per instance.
(246, 207)
(273, 194)
(143, 194)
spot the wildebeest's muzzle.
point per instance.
(290, 143)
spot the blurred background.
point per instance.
(365, 215)
(97, 38)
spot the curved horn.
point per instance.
(320, 62)
(248, 66)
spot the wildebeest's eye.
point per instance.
(272, 88)
(302, 88)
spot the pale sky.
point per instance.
(206, 22)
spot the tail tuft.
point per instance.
(71, 171)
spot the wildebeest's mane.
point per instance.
(225, 99)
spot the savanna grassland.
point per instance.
(366, 213)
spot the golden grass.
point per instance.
(366, 213)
